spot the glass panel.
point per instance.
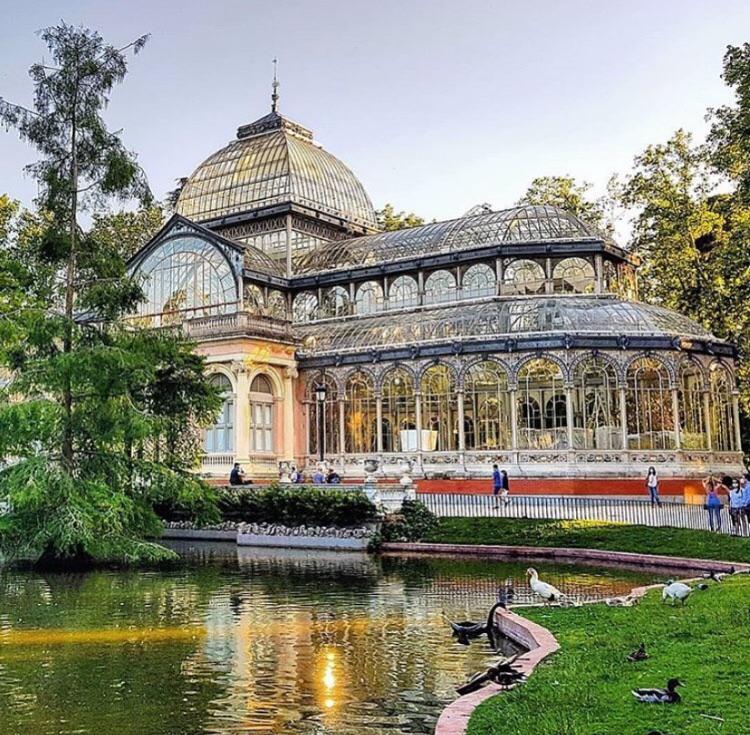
(360, 415)
(692, 418)
(439, 410)
(649, 406)
(305, 307)
(524, 277)
(369, 298)
(219, 438)
(479, 280)
(399, 425)
(487, 408)
(723, 434)
(440, 287)
(541, 406)
(573, 275)
(403, 293)
(596, 406)
(330, 417)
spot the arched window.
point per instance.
(524, 277)
(185, 278)
(369, 298)
(541, 389)
(479, 280)
(261, 414)
(486, 408)
(649, 405)
(596, 406)
(399, 425)
(692, 414)
(337, 302)
(439, 410)
(573, 275)
(254, 301)
(360, 415)
(330, 413)
(219, 438)
(723, 434)
(440, 287)
(305, 307)
(403, 293)
(277, 305)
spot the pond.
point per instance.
(237, 640)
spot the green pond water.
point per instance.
(237, 640)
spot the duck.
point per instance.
(716, 576)
(639, 654)
(676, 591)
(660, 696)
(467, 630)
(548, 592)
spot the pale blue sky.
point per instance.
(435, 105)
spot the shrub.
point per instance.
(296, 505)
(412, 523)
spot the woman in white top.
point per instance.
(652, 485)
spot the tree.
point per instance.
(97, 414)
(127, 231)
(564, 192)
(388, 219)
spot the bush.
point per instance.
(296, 505)
(412, 523)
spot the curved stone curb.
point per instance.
(454, 719)
(677, 563)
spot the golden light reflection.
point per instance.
(57, 636)
(329, 678)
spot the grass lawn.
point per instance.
(592, 535)
(584, 689)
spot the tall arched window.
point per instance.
(305, 307)
(649, 405)
(440, 287)
(439, 410)
(596, 406)
(573, 275)
(524, 277)
(723, 434)
(692, 418)
(399, 425)
(337, 302)
(486, 408)
(403, 293)
(369, 299)
(360, 415)
(277, 305)
(261, 414)
(184, 278)
(330, 426)
(254, 301)
(479, 280)
(541, 414)
(219, 438)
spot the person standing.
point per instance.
(737, 509)
(505, 492)
(745, 485)
(652, 485)
(497, 483)
(713, 504)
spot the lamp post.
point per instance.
(320, 397)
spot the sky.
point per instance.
(436, 106)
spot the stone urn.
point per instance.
(406, 482)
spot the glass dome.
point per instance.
(274, 161)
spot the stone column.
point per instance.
(242, 417)
(418, 407)
(599, 270)
(308, 448)
(342, 428)
(736, 416)
(461, 428)
(499, 271)
(624, 418)
(569, 415)
(287, 415)
(513, 419)
(676, 418)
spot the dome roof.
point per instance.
(500, 318)
(274, 161)
(522, 224)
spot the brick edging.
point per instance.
(678, 563)
(454, 719)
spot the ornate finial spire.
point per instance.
(275, 88)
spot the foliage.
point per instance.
(290, 505)
(591, 535)
(97, 417)
(388, 219)
(126, 231)
(414, 522)
(584, 688)
(566, 193)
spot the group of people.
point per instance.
(735, 490)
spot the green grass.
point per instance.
(592, 535)
(584, 689)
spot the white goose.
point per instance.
(676, 591)
(548, 592)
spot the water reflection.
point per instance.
(238, 640)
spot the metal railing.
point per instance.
(671, 512)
